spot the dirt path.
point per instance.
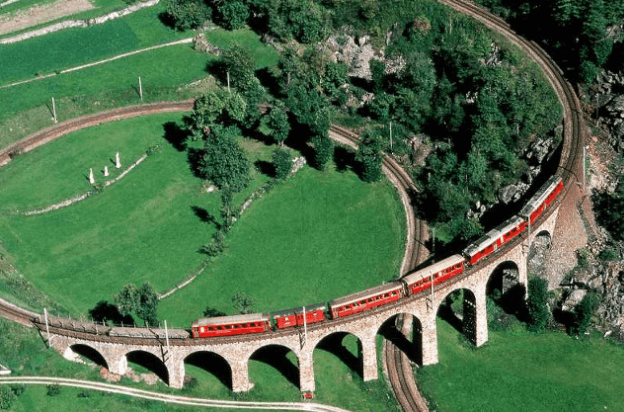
(36, 15)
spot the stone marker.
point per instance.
(106, 171)
(91, 178)
(117, 162)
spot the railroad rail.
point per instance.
(570, 166)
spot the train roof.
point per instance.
(507, 225)
(483, 242)
(227, 320)
(149, 333)
(366, 293)
(540, 196)
(297, 310)
(431, 269)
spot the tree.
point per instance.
(323, 150)
(188, 14)
(282, 163)
(148, 304)
(537, 304)
(142, 301)
(583, 312)
(370, 157)
(277, 121)
(238, 63)
(224, 162)
(233, 14)
(242, 303)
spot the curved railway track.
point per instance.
(399, 366)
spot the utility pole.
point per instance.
(45, 315)
(390, 137)
(167, 335)
(140, 89)
(54, 111)
(228, 82)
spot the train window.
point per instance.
(201, 329)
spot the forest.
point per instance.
(473, 100)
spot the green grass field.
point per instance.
(316, 237)
(519, 371)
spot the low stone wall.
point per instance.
(83, 196)
(79, 23)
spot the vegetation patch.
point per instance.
(518, 371)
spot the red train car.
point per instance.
(438, 272)
(542, 199)
(494, 239)
(294, 317)
(230, 325)
(366, 300)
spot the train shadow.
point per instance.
(276, 357)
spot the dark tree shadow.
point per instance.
(175, 135)
(105, 311)
(413, 350)
(266, 168)
(151, 362)
(269, 81)
(194, 158)
(213, 364)
(275, 356)
(90, 354)
(344, 159)
(565, 318)
(204, 216)
(166, 19)
(333, 344)
(212, 312)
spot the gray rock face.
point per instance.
(357, 53)
(608, 101)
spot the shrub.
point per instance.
(282, 163)
(583, 312)
(6, 398)
(537, 304)
(233, 14)
(53, 390)
(187, 14)
(608, 255)
(369, 155)
(323, 151)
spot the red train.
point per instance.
(412, 284)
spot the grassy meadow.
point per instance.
(520, 371)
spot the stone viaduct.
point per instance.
(235, 355)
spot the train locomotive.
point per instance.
(409, 285)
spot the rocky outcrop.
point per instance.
(202, 44)
(607, 101)
(357, 53)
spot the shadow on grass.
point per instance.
(344, 159)
(413, 350)
(205, 217)
(105, 311)
(194, 158)
(149, 362)
(175, 135)
(275, 356)
(334, 344)
(90, 354)
(266, 168)
(213, 364)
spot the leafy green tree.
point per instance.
(282, 163)
(216, 106)
(537, 304)
(224, 162)
(142, 301)
(583, 312)
(232, 14)
(243, 303)
(323, 150)
(188, 14)
(370, 156)
(237, 61)
(277, 121)
(7, 397)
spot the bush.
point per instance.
(282, 163)
(233, 14)
(608, 255)
(187, 14)
(583, 312)
(323, 151)
(370, 157)
(537, 304)
(6, 398)
(53, 390)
